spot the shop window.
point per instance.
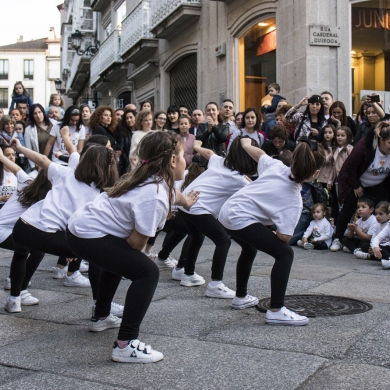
(257, 64)
(370, 50)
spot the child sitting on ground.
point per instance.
(380, 244)
(319, 233)
(361, 232)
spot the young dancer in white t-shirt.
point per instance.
(224, 177)
(8, 180)
(273, 199)
(117, 226)
(76, 133)
(319, 233)
(42, 226)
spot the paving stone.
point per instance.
(344, 376)
(8, 374)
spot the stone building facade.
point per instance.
(195, 51)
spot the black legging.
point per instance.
(258, 237)
(32, 262)
(177, 229)
(206, 225)
(73, 266)
(380, 192)
(27, 238)
(117, 258)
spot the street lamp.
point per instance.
(76, 39)
(58, 83)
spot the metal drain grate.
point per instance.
(319, 305)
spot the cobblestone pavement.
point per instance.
(206, 344)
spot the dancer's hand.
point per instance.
(377, 252)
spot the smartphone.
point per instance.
(375, 99)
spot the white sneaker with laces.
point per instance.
(385, 264)
(174, 261)
(177, 273)
(243, 303)
(84, 266)
(59, 273)
(27, 299)
(308, 245)
(221, 291)
(135, 352)
(76, 280)
(116, 310)
(362, 255)
(192, 280)
(285, 317)
(152, 256)
(7, 284)
(164, 263)
(13, 305)
(336, 245)
(109, 322)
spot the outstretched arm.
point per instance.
(206, 153)
(38, 159)
(253, 151)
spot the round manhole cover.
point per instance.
(319, 305)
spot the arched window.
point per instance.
(184, 82)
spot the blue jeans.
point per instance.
(302, 225)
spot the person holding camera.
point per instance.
(310, 122)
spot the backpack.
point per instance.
(320, 194)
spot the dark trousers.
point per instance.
(385, 252)
(321, 245)
(27, 238)
(73, 266)
(177, 230)
(381, 192)
(206, 225)
(117, 258)
(32, 262)
(354, 243)
(258, 237)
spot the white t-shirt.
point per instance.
(143, 208)
(12, 209)
(271, 199)
(66, 196)
(216, 185)
(369, 226)
(258, 137)
(59, 146)
(377, 171)
(383, 238)
(320, 230)
(9, 184)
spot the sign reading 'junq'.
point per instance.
(324, 35)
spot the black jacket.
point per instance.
(214, 140)
(105, 131)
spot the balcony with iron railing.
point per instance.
(107, 58)
(170, 16)
(136, 39)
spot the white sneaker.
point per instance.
(13, 305)
(135, 352)
(7, 284)
(336, 245)
(110, 322)
(116, 310)
(300, 243)
(152, 256)
(177, 273)
(76, 280)
(27, 299)
(362, 255)
(164, 263)
(192, 280)
(285, 317)
(59, 273)
(346, 250)
(308, 246)
(221, 291)
(174, 261)
(243, 303)
(84, 266)
(385, 264)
